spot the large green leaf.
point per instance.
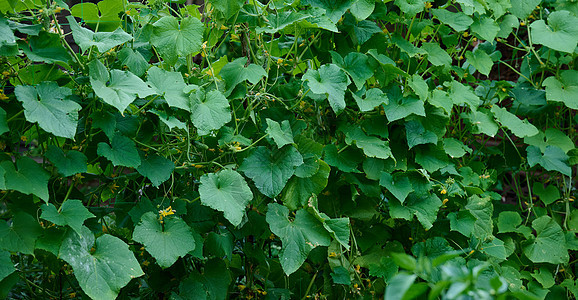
(549, 245)
(458, 20)
(410, 7)
(523, 8)
(46, 105)
(345, 160)
(481, 61)
(553, 159)
(46, 47)
(424, 207)
(8, 46)
(121, 152)
(334, 9)
(103, 267)
(331, 80)
(403, 107)
(156, 168)
(73, 162)
(397, 184)
(280, 133)
(71, 213)
(30, 178)
(117, 88)
(482, 122)
(356, 65)
(226, 191)
(372, 99)
(399, 285)
(209, 110)
(520, 128)
(482, 209)
(299, 190)
(298, 236)
(436, 55)
(134, 60)
(170, 85)
(173, 38)
(165, 240)
(361, 9)
(21, 235)
(372, 146)
(6, 265)
(560, 34)
(338, 228)
(104, 14)
(417, 135)
(236, 72)
(486, 28)
(104, 41)
(277, 22)
(271, 170)
(564, 90)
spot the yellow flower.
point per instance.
(166, 212)
(443, 192)
(24, 138)
(57, 9)
(428, 5)
(466, 34)
(445, 201)
(332, 254)
(279, 61)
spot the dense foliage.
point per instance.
(288, 149)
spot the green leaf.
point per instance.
(71, 213)
(520, 128)
(134, 60)
(6, 265)
(21, 235)
(419, 86)
(431, 158)
(156, 168)
(170, 85)
(46, 47)
(552, 137)
(403, 107)
(3, 122)
(441, 99)
(361, 9)
(436, 55)
(549, 246)
(209, 111)
(398, 185)
(486, 28)
(345, 160)
(104, 14)
(104, 41)
(277, 22)
(173, 38)
(226, 191)
(373, 98)
(236, 72)
(564, 90)
(554, 159)
(508, 221)
(8, 46)
(121, 152)
(462, 221)
(333, 9)
(461, 94)
(331, 80)
(166, 241)
(481, 61)
(30, 178)
(523, 8)
(482, 209)
(73, 162)
(372, 146)
(410, 7)
(298, 190)
(455, 148)
(544, 277)
(117, 88)
(482, 122)
(398, 286)
(298, 237)
(424, 207)
(548, 195)
(101, 272)
(406, 46)
(357, 66)
(495, 248)
(560, 34)
(458, 20)
(340, 275)
(271, 170)
(417, 135)
(45, 104)
(280, 133)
